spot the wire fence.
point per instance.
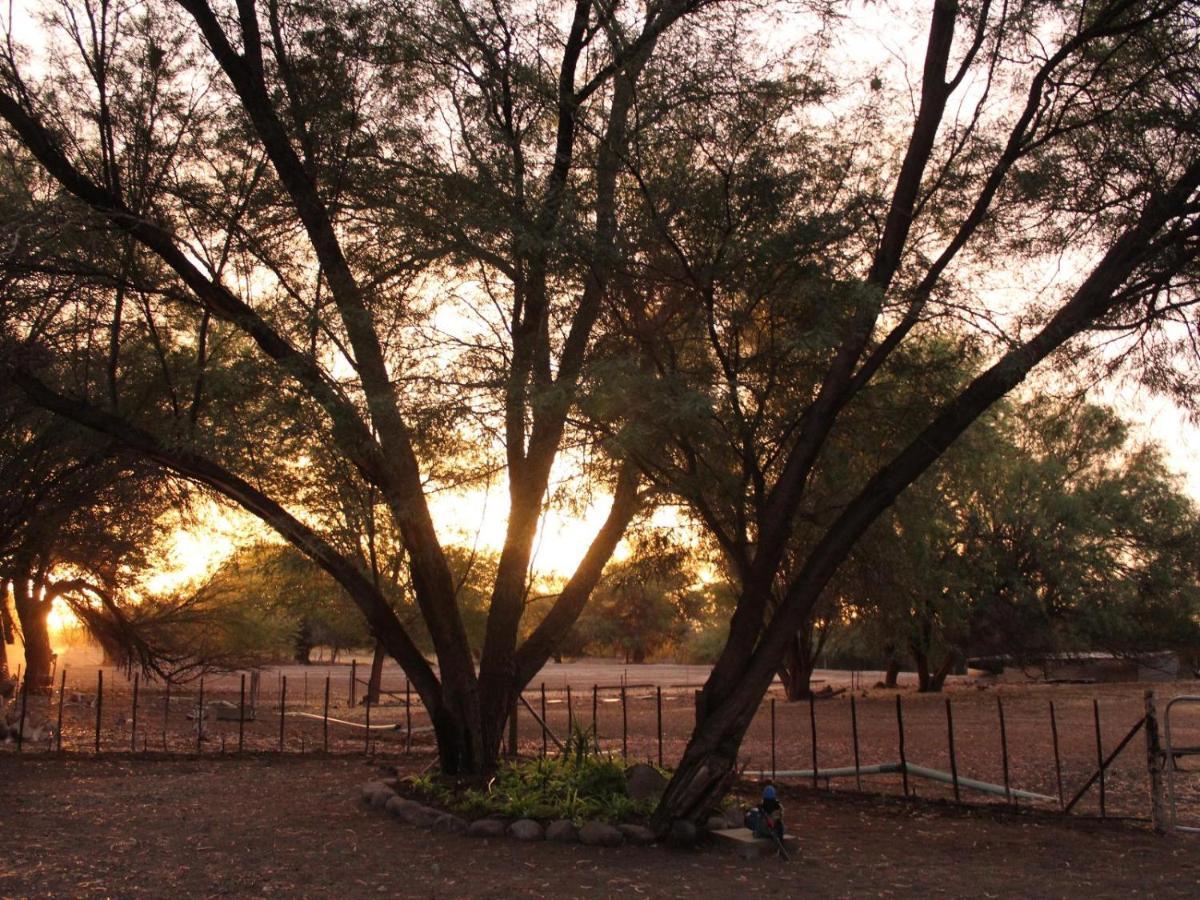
(1066, 748)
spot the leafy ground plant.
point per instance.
(581, 784)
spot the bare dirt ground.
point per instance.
(292, 826)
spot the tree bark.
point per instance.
(796, 671)
(891, 676)
(375, 682)
(34, 614)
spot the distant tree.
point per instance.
(78, 518)
(1056, 534)
(644, 602)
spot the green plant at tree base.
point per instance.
(581, 784)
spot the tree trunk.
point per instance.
(924, 679)
(891, 678)
(375, 682)
(7, 632)
(938, 681)
(709, 763)
(796, 671)
(34, 616)
(304, 644)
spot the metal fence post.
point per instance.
(903, 757)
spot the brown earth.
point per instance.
(293, 826)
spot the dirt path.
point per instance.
(291, 826)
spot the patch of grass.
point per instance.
(581, 784)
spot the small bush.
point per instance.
(581, 784)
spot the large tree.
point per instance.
(823, 231)
(376, 228)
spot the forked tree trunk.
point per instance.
(798, 664)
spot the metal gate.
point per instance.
(1173, 755)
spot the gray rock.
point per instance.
(644, 782)
(449, 824)
(597, 834)
(716, 823)
(638, 835)
(735, 817)
(683, 833)
(397, 805)
(526, 830)
(418, 815)
(563, 832)
(370, 788)
(487, 828)
(380, 798)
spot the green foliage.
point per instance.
(581, 784)
(644, 603)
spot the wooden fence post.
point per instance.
(854, 737)
(200, 720)
(325, 719)
(953, 755)
(513, 735)
(773, 769)
(21, 726)
(1099, 755)
(812, 721)
(1062, 805)
(133, 715)
(282, 708)
(1004, 750)
(658, 713)
(242, 714)
(545, 737)
(1154, 766)
(62, 698)
(99, 704)
(624, 726)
